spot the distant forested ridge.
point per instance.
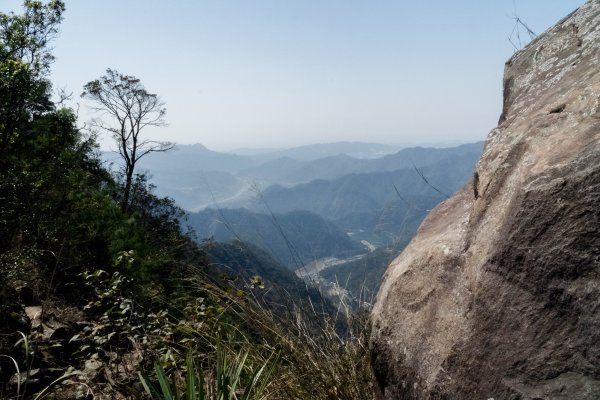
(273, 284)
(294, 239)
(198, 178)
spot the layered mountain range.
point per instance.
(197, 177)
(359, 204)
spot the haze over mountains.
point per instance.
(197, 177)
(359, 203)
(315, 151)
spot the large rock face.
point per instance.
(498, 296)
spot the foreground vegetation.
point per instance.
(101, 300)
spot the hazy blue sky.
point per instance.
(270, 73)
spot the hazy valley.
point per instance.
(356, 203)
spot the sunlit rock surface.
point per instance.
(498, 296)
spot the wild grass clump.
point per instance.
(224, 382)
(291, 351)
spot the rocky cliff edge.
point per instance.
(498, 295)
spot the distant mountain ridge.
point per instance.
(289, 172)
(315, 151)
(195, 158)
(365, 192)
(294, 238)
(197, 177)
(247, 261)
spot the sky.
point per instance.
(282, 73)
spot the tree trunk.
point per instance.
(127, 190)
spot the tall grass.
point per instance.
(224, 382)
(320, 355)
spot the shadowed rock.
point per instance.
(498, 295)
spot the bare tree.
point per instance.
(130, 109)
